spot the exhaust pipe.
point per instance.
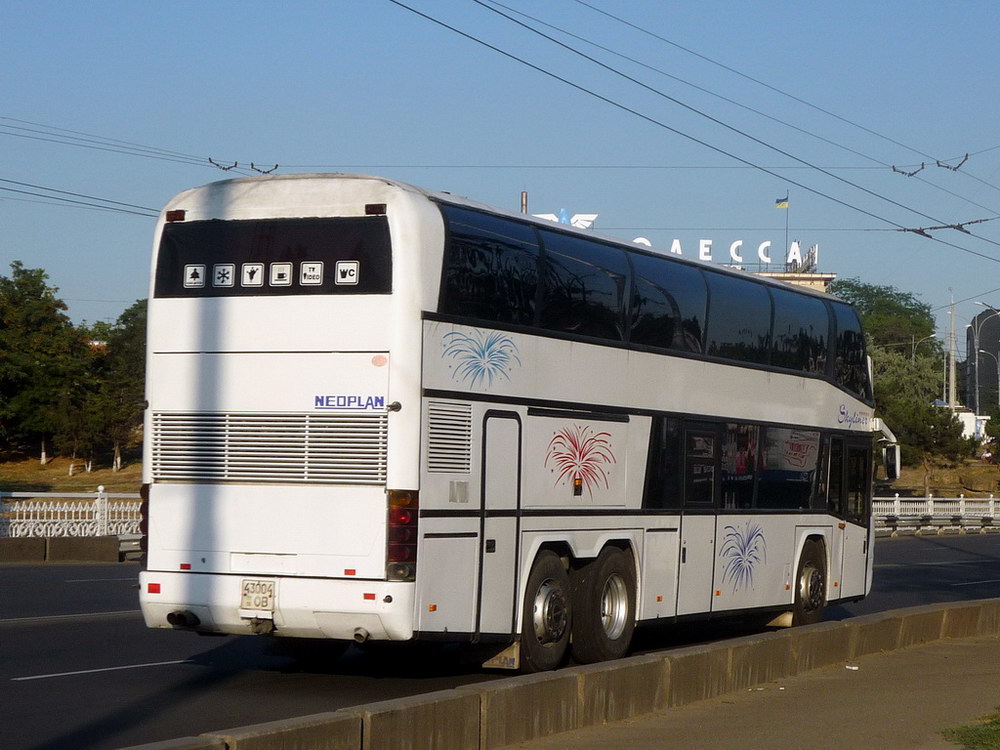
(360, 635)
(182, 618)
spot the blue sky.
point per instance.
(368, 86)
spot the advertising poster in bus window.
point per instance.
(792, 452)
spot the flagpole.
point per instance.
(788, 210)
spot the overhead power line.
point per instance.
(715, 120)
(759, 82)
(78, 139)
(744, 229)
(550, 167)
(779, 121)
(91, 201)
(672, 129)
(784, 93)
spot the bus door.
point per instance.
(499, 526)
(850, 501)
(700, 497)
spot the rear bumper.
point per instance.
(304, 607)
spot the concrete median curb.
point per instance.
(59, 549)
(328, 731)
(22, 549)
(82, 549)
(185, 743)
(445, 720)
(496, 714)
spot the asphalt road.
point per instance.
(79, 670)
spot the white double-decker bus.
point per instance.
(379, 412)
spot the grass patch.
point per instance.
(984, 735)
(28, 475)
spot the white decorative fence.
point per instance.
(936, 512)
(48, 514)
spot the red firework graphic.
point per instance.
(579, 453)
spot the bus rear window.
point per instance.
(350, 255)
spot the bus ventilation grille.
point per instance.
(242, 447)
(449, 437)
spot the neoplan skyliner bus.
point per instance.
(378, 412)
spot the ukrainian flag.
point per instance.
(781, 202)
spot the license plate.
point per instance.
(258, 596)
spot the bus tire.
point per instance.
(604, 607)
(547, 618)
(810, 585)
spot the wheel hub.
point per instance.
(811, 588)
(614, 607)
(549, 613)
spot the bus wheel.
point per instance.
(604, 612)
(547, 616)
(810, 585)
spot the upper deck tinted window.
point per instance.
(801, 331)
(851, 364)
(271, 257)
(490, 268)
(739, 319)
(668, 304)
(584, 290)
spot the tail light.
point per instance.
(401, 536)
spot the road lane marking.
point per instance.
(102, 669)
(93, 580)
(974, 583)
(938, 564)
(43, 619)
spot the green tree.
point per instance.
(116, 408)
(993, 426)
(44, 360)
(905, 387)
(906, 364)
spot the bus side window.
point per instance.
(822, 474)
(801, 332)
(740, 451)
(850, 358)
(668, 304)
(835, 497)
(859, 466)
(663, 470)
(739, 319)
(490, 268)
(788, 468)
(700, 460)
(584, 287)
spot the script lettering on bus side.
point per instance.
(853, 418)
(349, 402)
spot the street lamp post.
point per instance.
(915, 344)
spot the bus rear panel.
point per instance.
(274, 501)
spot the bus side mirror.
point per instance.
(890, 457)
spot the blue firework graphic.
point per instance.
(745, 548)
(481, 356)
